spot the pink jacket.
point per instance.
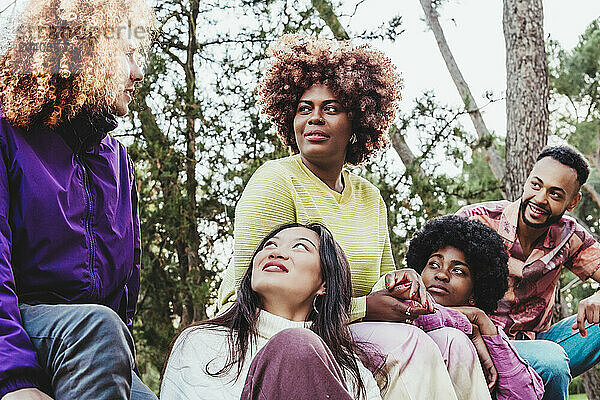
(517, 380)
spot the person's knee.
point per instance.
(459, 344)
(296, 337)
(104, 318)
(296, 343)
(424, 345)
(553, 365)
(397, 340)
(99, 328)
(456, 348)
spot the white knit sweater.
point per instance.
(185, 376)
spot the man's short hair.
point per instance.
(570, 157)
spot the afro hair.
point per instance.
(484, 250)
(363, 79)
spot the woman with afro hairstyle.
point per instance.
(332, 104)
(463, 264)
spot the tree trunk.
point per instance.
(594, 158)
(405, 153)
(592, 192)
(492, 156)
(190, 236)
(591, 384)
(527, 91)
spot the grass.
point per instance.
(581, 396)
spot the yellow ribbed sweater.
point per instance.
(285, 190)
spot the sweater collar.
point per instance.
(339, 197)
(87, 129)
(269, 325)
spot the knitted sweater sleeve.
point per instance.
(185, 375)
(359, 304)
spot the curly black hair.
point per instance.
(363, 79)
(570, 157)
(484, 250)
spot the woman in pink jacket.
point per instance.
(463, 264)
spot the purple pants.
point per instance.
(296, 364)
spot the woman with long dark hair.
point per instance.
(332, 104)
(286, 334)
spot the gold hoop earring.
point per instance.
(353, 139)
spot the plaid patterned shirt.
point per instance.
(527, 305)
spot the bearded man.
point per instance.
(541, 240)
(69, 229)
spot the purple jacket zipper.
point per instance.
(88, 225)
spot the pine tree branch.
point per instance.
(328, 15)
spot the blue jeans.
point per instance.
(86, 351)
(559, 354)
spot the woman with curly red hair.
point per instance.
(69, 227)
(332, 104)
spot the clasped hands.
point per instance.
(404, 298)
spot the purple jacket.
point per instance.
(69, 230)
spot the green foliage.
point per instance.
(578, 71)
(575, 83)
(576, 387)
(198, 136)
(424, 188)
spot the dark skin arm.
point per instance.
(404, 292)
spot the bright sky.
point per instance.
(474, 32)
(473, 29)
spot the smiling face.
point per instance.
(286, 272)
(448, 278)
(551, 189)
(322, 126)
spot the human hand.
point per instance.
(479, 318)
(489, 370)
(27, 394)
(588, 310)
(409, 278)
(386, 305)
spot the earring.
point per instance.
(353, 138)
(471, 302)
(315, 303)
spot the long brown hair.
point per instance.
(330, 322)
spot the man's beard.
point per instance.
(550, 220)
